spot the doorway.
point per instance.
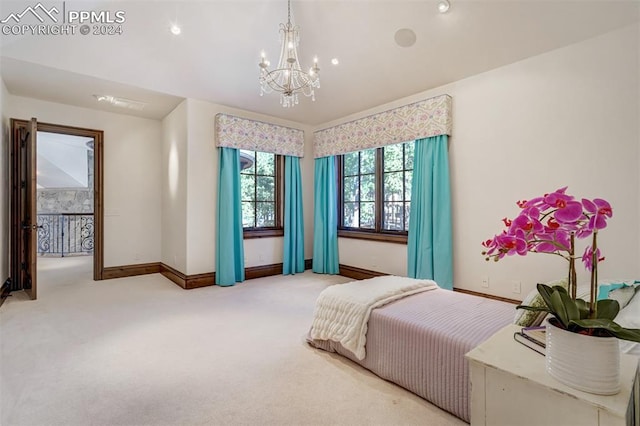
(27, 228)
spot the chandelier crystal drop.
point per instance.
(288, 78)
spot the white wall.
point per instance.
(5, 182)
(174, 188)
(567, 117)
(161, 183)
(202, 181)
(132, 160)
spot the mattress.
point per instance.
(419, 343)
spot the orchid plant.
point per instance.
(550, 224)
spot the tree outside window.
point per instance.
(375, 190)
(359, 189)
(261, 188)
(397, 174)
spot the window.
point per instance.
(260, 179)
(375, 192)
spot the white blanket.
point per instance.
(342, 310)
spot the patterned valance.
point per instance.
(242, 133)
(431, 117)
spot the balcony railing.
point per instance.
(65, 234)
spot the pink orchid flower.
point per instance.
(553, 241)
(568, 210)
(527, 222)
(600, 209)
(587, 257)
(543, 202)
(546, 225)
(511, 244)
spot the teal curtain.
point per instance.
(229, 240)
(430, 246)
(325, 217)
(293, 261)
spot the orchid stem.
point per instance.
(572, 284)
(594, 276)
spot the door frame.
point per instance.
(98, 192)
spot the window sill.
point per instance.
(373, 236)
(262, 233)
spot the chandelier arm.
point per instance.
(273, 76)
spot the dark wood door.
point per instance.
(24, 233)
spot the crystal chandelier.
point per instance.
(288, 78)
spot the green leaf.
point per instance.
(533, 308)
(558, 308)
(570, 305)
(607, 309)
(602, 323)
(545, 292)
(564, 308)
(583, 307)
(560, 289)
(631, 334)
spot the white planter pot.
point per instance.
(587, 363)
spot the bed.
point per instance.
(419, 343)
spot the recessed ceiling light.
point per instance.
(335, 61)
(443, 6)
(405, 37)
(175, 29)
(121, 102)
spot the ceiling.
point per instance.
(63, 161)
(215, 57)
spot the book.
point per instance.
(536, 333)
(529, 342)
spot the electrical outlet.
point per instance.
(516, 287)
(484, 282)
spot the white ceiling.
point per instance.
(215, 58)
(62, 160)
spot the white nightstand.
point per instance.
(509, 386)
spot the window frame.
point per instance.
(377, 233)
(278, 229)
